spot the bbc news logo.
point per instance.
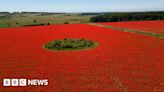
(25, 82)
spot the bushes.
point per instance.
(34, 21)
(66, 22)
(40, 24)
(70, 44)
(115, 17)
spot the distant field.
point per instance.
(148, 26)
(18, 20)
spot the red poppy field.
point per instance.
(122, 62)
(148, 26)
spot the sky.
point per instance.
(81, 5)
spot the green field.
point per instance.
(18, 20)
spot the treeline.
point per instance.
(134, 16)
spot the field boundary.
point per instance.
(152, 34)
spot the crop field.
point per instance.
(19, 20)
(148, 26)
(122, 62)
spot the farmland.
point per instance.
(148, 26)
(122, 62)
(24, 19)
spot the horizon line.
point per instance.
(83, 12)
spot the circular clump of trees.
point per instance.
(70, 44)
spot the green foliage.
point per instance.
(66, 22)
(70, 44)
(115, 17)
(35, 21)
(48, 23)
(41, 24)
